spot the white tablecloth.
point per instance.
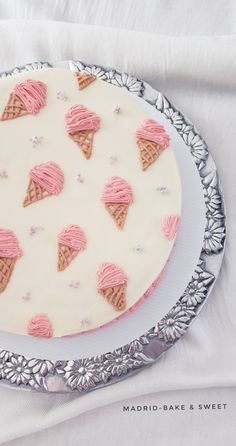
(186, 49)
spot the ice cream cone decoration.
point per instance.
(152, 140)
(117, 196)
(111, 283)
(84, 79)
(81, 125)
(45, 180)
(170, 226)
(28, 97)
(9, 253)
(71, 241)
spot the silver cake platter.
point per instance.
(86, 374)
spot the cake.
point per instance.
(90, 197)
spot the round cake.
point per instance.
(90, 198)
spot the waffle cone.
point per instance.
(6, 268)
(149, 152)
(65, 256)
(115, 296)
(35, 192)
(14, 108)
(84, 79)
(84, 139)
(118, 211)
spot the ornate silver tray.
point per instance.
(85, 374)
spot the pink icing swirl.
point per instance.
(32, 94)
(9, 246)
(40, 326)
(79, 118)
(117, 190)
(49, 176)
(153, 131)
(110, 275)
(170, 226)
(72, 236)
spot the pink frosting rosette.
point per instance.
(72, 236)
(45, 180)
(110, 275)
(151, 130)
(27, 97)
(49, 176)
(79, 118)
(170, 226)
(9, 246)
(32, 93)
(40, 326)
(117, 190)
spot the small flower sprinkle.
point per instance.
(74, 284)
(34, 229)
(162, 189)
(113, 159)
(3, 174)
(85, 322)
(26, 296)
(79, 178)
(36, 140)
(116, 109)
(62, 96)
(138, 248)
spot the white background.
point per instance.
(186, 49)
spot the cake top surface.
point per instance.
(83, 213)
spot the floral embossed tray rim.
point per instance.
(86, 374)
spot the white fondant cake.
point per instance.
(90, 203)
